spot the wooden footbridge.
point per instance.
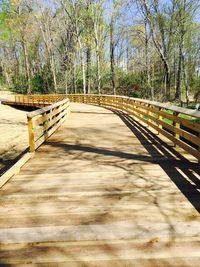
(115, 183)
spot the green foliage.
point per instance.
(105, 79)
(195, 83)
(45, 46)
(1, 81)
(20, 84)
(42, 82)
(130, 84)
(129, 80)
(136, 94)
(37, 84)
(79, 85)
(4, 30)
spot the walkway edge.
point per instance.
(15, 169)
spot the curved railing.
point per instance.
(180, 125)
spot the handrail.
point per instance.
(37, 100)
(175, 123)
(52, 98)
(44, 122)
(166, 119)
(186, 111)
(45, 109)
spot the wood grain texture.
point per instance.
(43, 122)
(15, 169)
(103, 190)
(163, 117)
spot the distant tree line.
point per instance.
(140, 48)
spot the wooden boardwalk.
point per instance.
(102, 191)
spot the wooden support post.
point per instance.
(140, 115)
(99, 100)
(127, 105)
(31, 135)
(120, 104)
(160, 118)
(148, 113)
(133, 112)
(176, 126)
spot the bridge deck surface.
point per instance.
(102, 191)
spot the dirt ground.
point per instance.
(13, 135)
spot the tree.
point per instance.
(101, 46)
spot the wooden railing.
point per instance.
(38, 100)
(44, 122)
(180, 125)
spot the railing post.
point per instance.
(99, 100)
(160, 118)
(126, 105)
(133, 109)
(123, 104)
(138, 111)
(148, 113)
(176, 126)
(31, 134)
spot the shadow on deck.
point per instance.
(180, 170)
(109, 211)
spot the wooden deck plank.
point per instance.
(119, 253)
(107, 231)
(99, 193)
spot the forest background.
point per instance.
(141, 48)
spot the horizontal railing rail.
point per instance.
(42, 123)
(180, 125)
(38, 100)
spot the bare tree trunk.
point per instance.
(83, 71)
(174, 66)
(46, 34)
(53, 68)
(27, 67)
(167, 81)
(181, 25)
(53, 65)
(186, 81)
(88, 72)
(66, 82)
(8, 80)
(147, 61)
(127, 53)
(96, 15)
(74, 75)
(98, 71)
(112, 56)
(162, 47)
(178, 94)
